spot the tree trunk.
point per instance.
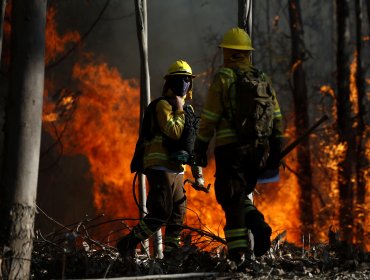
(269, 35)
(142, 34)
(2, 11)
(245, 15)
(299, 89)
(360, 155)
(245, 22)
(23, 133)
(368, 11)
(2, 191)
(344, 121)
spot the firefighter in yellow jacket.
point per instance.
(163, 161)
(231, 189)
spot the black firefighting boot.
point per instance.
(237, 256)
(171, 245)
(126, 246)
(261, 232)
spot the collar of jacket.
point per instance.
(242, 63)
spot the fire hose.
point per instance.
(134, 194)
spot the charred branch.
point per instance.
(71, 253)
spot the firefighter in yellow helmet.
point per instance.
(239, 160)
(167, 139)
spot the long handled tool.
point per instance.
(295, 143)
(197, 186)
(272, 175)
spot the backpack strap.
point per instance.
(150, 124)
(227, 72)
(230, 74)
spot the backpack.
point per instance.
(252, 112)
(150, 126)
(147, 132)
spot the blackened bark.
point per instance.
(245, 15)
(361, 161)
(2, 11)
(368, 11)
(23, 134)
(299, 89)
(344, 121)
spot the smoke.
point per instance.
(180, 29)
(177, 29)
(186, 30)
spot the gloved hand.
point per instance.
(273, 161)
(181, 157)
(200, 153)
(265, 155)
(200, 181)
(197, 173)
(177, 102)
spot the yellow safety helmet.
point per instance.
(180, 67)
(237, 39)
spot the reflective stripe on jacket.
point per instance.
(171, 124)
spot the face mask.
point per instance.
(180, 84)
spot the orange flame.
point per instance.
(103, 119)
(326, 89)
(295, 65)
(56, 43)
(104, 128)
(352, 83)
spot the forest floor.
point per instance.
(62, 259)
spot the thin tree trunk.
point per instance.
(269, 40)
(245, 15)
(299, 89)
(360, 155)
(2, 11)
(344, 121)
(23, 133)
(368, 12)
(140, 7)
(142, 34)
(245, 22)
(2, 190)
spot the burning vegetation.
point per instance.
(98, 117)
(71, 252)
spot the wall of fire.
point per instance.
(91, 96)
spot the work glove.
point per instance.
(200, 153)
(181, 157)
(274, 159)
(264, 157)
(197, 173)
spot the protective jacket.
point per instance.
(170, 124)
(216, 109)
